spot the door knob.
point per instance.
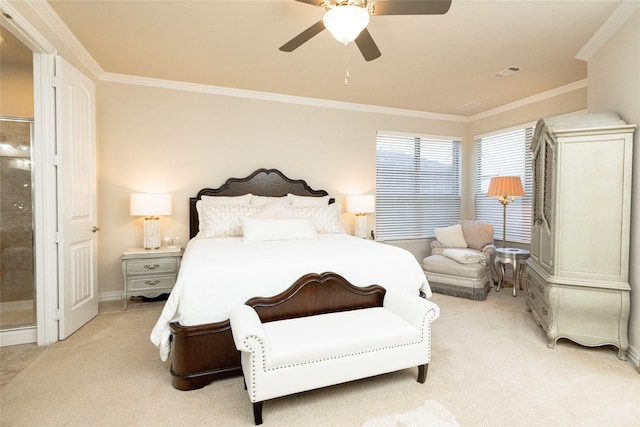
(94, 229)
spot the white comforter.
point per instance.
(219, 274)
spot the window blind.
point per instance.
(506, 153)
(417, 185)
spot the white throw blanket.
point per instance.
(465, 256)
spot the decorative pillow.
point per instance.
(274, 210)
(263, 200)
(260, 229)
(223, 220)
(326, 218)
(451, 237)
(228, 200)
(477, 234)
(298, 201)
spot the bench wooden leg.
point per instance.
(257, 413)
(422, 373)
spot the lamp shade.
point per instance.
(505, 186)
(150, 204)
(361, 204)
(346, 22)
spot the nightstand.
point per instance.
(149, 272)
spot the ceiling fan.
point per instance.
(347, 20)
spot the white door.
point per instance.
(77, 207)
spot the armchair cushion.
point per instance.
(477, 234)
(451, 237)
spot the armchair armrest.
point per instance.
(436, 244)
(436, 247)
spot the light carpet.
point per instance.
(490, 366)
(429, 414)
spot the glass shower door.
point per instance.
(17, 292)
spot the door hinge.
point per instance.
(57, 314)
(55, 81)
(56, 237)
(56, 160)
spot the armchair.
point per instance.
(460, 260)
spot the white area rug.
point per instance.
(430, 414)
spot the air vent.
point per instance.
(507, 72)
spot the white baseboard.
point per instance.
(634, 357)
(26, 335)
(110, 296)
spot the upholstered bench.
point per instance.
(324, 331)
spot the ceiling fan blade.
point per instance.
(367, 46)
(303, 37)
(411, 7)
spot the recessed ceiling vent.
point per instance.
(507, 72)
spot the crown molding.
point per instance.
(44, 10)
(55, 24)
(273, 97)
(580, 84)
(619, 16)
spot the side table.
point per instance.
(149, 272)
(515, 257)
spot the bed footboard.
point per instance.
(202, 354)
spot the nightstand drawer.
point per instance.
(149, 273)
(151, 282)
(152, 266)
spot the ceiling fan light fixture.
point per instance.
(345, 22)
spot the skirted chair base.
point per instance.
(449, 277)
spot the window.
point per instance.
(505, 153)
(417, 185)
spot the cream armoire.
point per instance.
(578, 272)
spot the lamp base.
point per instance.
(361, 226)
(152, 233)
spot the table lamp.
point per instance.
(361, 205)
(151, 206)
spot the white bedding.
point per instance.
(218, 274)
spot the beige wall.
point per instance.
(16, 87)
(614, 86)
(163, 140)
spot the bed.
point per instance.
(286, 230)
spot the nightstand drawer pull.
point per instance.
(151, 282)
(151, 267)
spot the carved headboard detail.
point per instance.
(262, 182)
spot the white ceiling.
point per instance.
(429, 63)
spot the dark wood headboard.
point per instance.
(262, 182)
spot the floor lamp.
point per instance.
(506, 189)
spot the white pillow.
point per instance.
(260, 229)
(263, 200)
(326, 218)
(297, 201)
(451, 237)
(223, 220)
(274, 210)
(228, 200)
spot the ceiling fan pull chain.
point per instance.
(346, 66)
